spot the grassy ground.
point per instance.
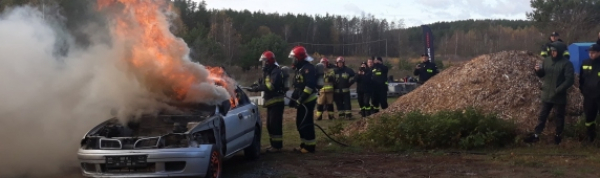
(332, 160)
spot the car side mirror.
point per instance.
(224, 107)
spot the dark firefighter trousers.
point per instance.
(305, 125)
(560, 110)
(591, 108)
(342, 102)
(364, 99)
(379, 98)
(275, 124)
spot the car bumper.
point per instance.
(180, 162)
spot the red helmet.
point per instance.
(340, 59)
(299, 53)
(324, 61)
(268, 57)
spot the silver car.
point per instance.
(173, 145)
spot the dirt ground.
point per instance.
(376, 165)
(335, 161)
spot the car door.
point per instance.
(239, 124)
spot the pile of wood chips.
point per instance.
(502, 83)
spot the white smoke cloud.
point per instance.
(48, 101)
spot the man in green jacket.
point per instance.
(557, 74)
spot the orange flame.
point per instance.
(154, 54)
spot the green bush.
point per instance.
(576, 130)
(465, 129)
(404, 64)
(440, 64)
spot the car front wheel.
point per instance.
(253, 151)
(215, 163)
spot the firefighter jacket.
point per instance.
(273, 86)
(305, 83)
(379, 75)
(364, 83)
(557, 76)
(328, 78)
(559, 44)
(426, 71)
(589, 79)
(344, 78)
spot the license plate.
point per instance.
(126, 161)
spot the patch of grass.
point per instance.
(464, 129)
(527, 162)
(558, 172)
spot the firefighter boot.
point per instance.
(533, 138)
(363, 113)
(349, 116)
(375, 111)
(591, 133)
(557, 139)
(331, 116)
(341, 115)
(320, 117)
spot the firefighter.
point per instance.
(589, 84)
(273, 87)
(426, 69)
(557, 75)
(304, 98)
(557, 43)
(344, 78)
(325, 100)
(363, 89)
(380, 83)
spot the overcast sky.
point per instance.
(414, 12)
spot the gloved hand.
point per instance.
(303, 97)
(260, 81)
(253, 88)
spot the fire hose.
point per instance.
(302, 125)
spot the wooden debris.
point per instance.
(502, 83)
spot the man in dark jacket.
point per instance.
(379, 73)
(589, 84)
(425, 70)
(364, 89)
(273, 86)
(557, 74)
(344, 78)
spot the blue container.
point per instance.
(579, 54)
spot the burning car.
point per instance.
(191, 142)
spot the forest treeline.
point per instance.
(230, 37)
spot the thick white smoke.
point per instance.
(49, 102)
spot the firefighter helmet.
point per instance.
(299, 53)
(340, 59)
(324, 60)
(268, 57)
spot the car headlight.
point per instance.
(202, 137)
(174, 141)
